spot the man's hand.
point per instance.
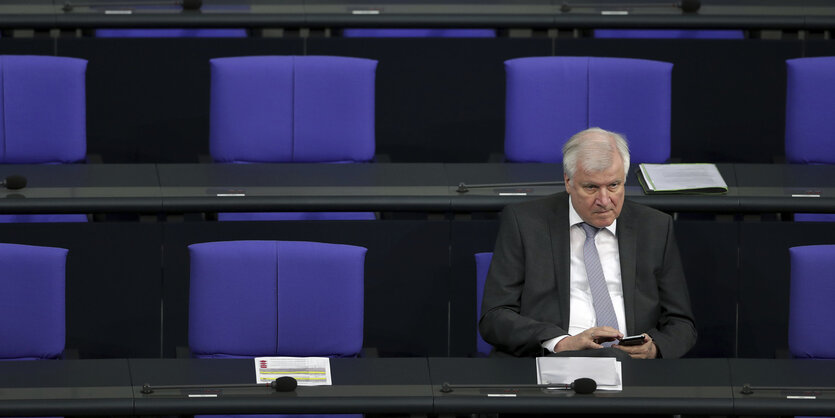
(590, 338)
(645, 350)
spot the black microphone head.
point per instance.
(690, 6)
(15, 182)
(192, 4)
(284, 384)
(584, 385)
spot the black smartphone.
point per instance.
(632, 340)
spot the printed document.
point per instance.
(308, 371)
(681, 178)
(605, 371)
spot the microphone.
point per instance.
(281, 384)
(186, 4)
(687, 6)
(464, 187)
(582, 386)
(13, 182)
(748, 389)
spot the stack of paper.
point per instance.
(681, 178)
(605, 371)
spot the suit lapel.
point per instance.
(560, 247)
(627, 247)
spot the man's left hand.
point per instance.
(645, 350)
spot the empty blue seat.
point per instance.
(551, 98)
(810, 128)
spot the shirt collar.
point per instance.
(575, 219)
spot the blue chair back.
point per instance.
(810, 93)
(312, 109)
(292, 109)
(551, 98)
(482, 266)
(43, 121)
(275, 298)
(43, 109)
(32, 304)
(811, 306)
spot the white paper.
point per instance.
(661, 177)
(308, 371)
(605, 371)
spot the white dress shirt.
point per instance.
(582, 315)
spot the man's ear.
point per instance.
(567, 183)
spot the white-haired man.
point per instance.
(575, 272)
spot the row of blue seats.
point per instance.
(321, 109)
(268, 298)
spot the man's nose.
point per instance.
(604, 197)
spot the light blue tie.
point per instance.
(603, 308)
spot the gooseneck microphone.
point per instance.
(186, 4)
(583, 386)
(748, 389)
(281, 384)
(686, 6)
(464, 187)
(13, 182)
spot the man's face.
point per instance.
(598, 196)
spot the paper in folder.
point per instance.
(605, 371)
(681, 179)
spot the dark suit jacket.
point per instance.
(526, 296)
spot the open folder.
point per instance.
(605, 371)
(681, 179)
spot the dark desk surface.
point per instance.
(77, 188)
(808, 14)
(299, 187)
(413, 187)
(412, 385)
(785, 187)
(659, 387)
(790, 384)
(380, 385)
(495, 198)
(65, 387)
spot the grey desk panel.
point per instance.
(293, 187)
(65, 387)
(496, 197)
(82, 188)
(658, 386)
(359, 385)
(791, 383)
(786, 187)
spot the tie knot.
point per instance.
(591, 231)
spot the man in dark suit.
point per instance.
(540, 296)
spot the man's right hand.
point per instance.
(590, 338)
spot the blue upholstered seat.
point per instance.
(32, 324)
(274, 109)
(43, 109)
(810, 128)
(551, 98)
